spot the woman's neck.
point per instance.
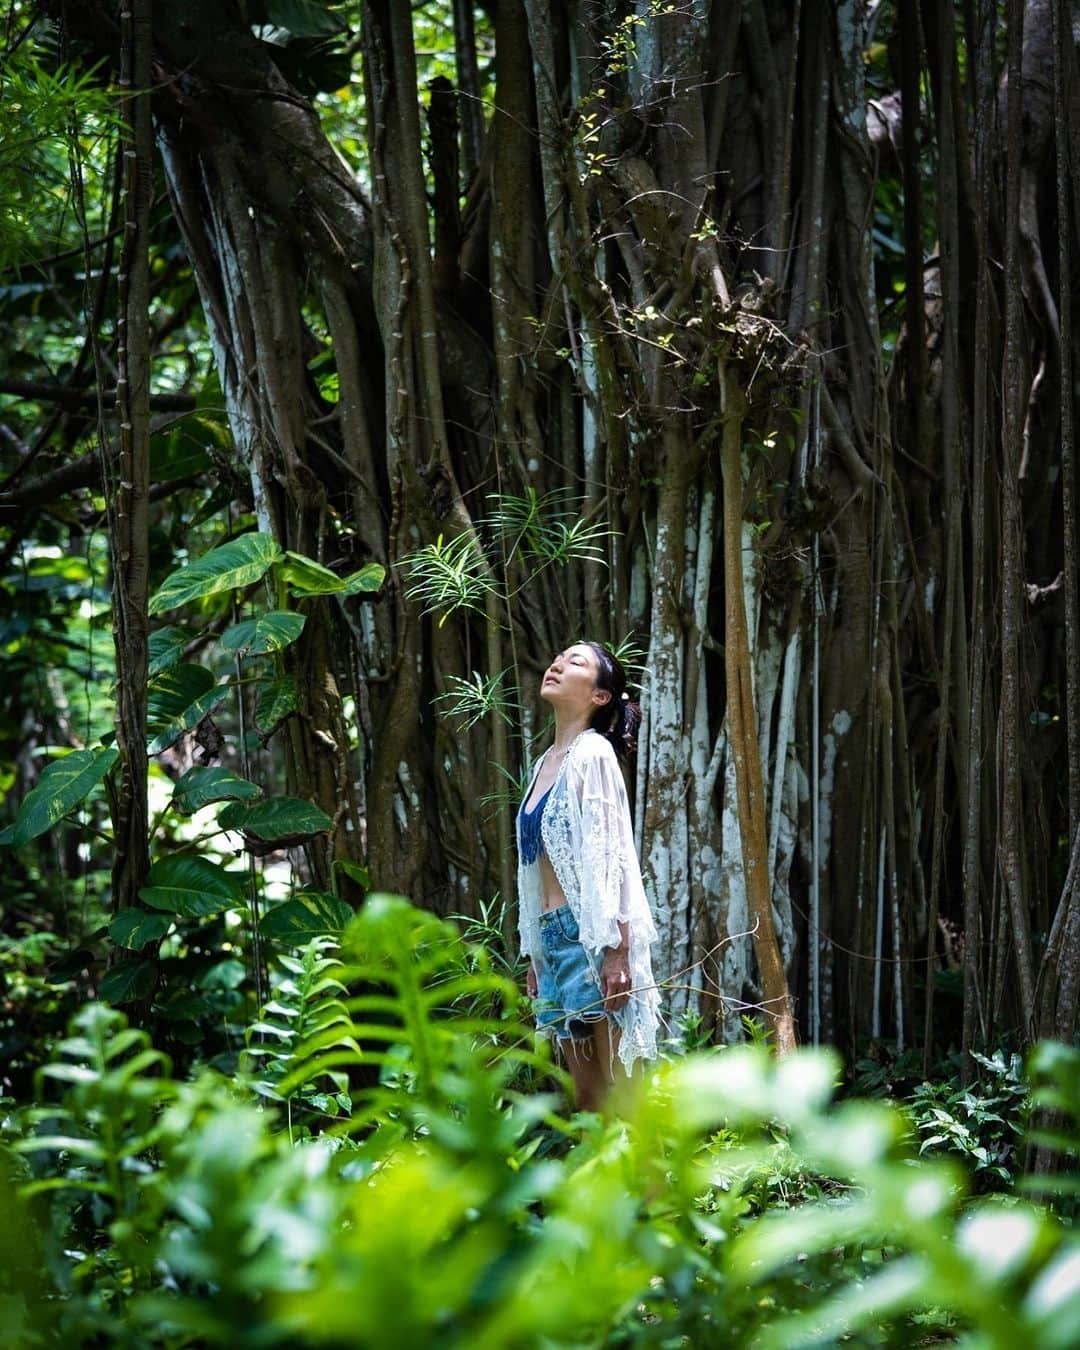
(567, 728)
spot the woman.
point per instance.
(583, 916)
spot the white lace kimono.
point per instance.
(589, 840)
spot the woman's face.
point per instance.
(569, 683)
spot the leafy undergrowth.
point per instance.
(384, 1170)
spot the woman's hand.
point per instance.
(615, 977)
(530, 980)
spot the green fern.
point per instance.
(116, 1083)
(307, 1002)
(97, 1147)
(433, 1012)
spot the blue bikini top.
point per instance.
(532, 841)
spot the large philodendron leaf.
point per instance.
(268, 633)
(62, 786)
(133, 977)
(135, 928)
(166, 648)
(277, 699)
(190, 887)
(307, 577)
(177, 701)
(280, 820)
(369, 578)
(304, 18)
(230, 566)
(307, 915)
(199, 787)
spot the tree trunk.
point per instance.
(127, 478)
(742, 728)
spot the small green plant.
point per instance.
(540, 530)
(474, 699)
(984, 1124)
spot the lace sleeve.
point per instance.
(603, 852)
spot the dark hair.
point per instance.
(619, 718)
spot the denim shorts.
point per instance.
(568, 995)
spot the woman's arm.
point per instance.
(615, 971)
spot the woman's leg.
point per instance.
(591, 1061)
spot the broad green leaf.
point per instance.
(171, 692)
(181, 451)
(304, 18)
(192, 716)
(190, 887)
(177, 701)
(369, 578)
(132, 978)
(134, 928)
(313, 65)
(63, 785)
(278, 819)
(227, 974)
(268, 633)
(215, 503)
(307, 577)
(166, 647)
(308, 914)
(355, 871)
(277, 699)
(230, 566)
(200, 787)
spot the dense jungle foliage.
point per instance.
(357, 356)
(385, 1168)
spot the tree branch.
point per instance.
(86, 400)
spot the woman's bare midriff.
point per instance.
(551, 893)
